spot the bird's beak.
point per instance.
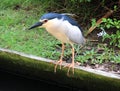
(36, 25)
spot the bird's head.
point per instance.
(45, 19)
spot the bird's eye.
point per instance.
(45, 21)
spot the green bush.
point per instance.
(112, 25)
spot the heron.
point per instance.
(65, 29)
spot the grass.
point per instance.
(14, 33)
(17, 16)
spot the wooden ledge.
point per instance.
(40, 68)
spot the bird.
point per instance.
(65, 29)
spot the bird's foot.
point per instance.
(58, 63)
(70, 65)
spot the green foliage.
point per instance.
(88, 55)
(106, 55)
(93, 57)
(112, 25)
(81, 0)
(115, 25)
(93, 21)
(116, 58)
(11, 3)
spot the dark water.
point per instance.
(11, 82)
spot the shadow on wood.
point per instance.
(41, 68)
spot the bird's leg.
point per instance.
(61, 57)
(71, 65)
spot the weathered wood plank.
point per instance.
(40, 68)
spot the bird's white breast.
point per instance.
(55, 28)
(64, 31)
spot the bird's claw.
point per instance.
(69, 66)
(58, 62)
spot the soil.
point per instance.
(108, 66)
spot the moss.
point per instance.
(44, 70)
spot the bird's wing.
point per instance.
(73, 32)
(72, 21)
(75, 35)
